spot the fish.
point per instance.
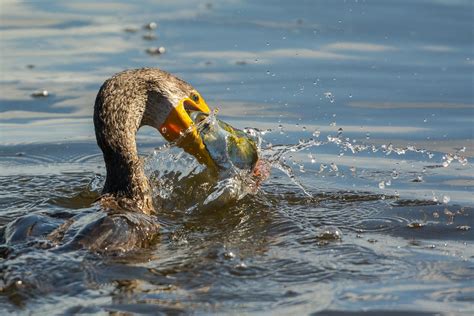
(227, 146)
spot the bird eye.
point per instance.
(195, 97)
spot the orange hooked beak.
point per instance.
(180, 128)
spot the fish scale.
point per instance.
(228, 147)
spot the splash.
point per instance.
(179, 181)
(284, 158)
(275, 157)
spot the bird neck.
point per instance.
(125, 102)
(126, 180)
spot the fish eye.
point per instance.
(195, 97)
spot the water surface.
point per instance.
(380, 213)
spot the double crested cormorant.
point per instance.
(124, 103)
(127, 101)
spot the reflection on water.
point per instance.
(364, 112)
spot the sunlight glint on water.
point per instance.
(335, 69)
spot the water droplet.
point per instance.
(316, 133)
(229, 255)
(462, 160)
(350, 96)
(446, 199)
(352, 169)
(367, 136)
(329, 233)
(40, 94)
(268, 72)
(415, 225)
(382, 185)
(334, 167)
(241, 266)
(164, 130)
(150, 26)
(304, 128)
(322, 167)
(268, 44)
(329, 96)
(332, 124)
(388, 183)
(302, 169)
(449, 158)
(155, 50)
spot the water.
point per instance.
(365, 110)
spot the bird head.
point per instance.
(178, 127)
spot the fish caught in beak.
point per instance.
(180, 128)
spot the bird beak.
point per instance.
(180, 128)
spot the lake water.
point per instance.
(374, 97)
